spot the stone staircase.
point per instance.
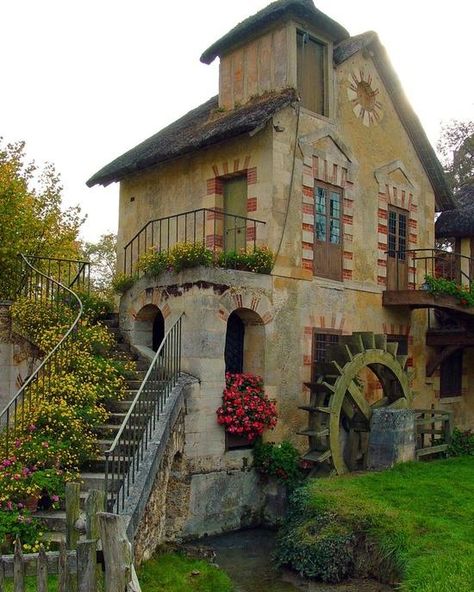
(93, 471)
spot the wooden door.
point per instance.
(235, 209)
(328, 232)
(397, 264)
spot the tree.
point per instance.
(456, 148)
(103, 256)
(32, 221)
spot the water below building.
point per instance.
(247, 557)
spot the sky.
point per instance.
(82, 82)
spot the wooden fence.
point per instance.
(433, 431)
(93, 546)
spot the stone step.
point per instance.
(120, 406)
(106, 430)
(54, 521)
(116, 418)
(95, 481)
(97, 465)
(55, 538)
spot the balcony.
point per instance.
(409, 273)
(219, 231)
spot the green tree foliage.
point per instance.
(31, 218)
(456, 148)
(103, 257)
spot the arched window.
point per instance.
(234, 344)
(158, 330)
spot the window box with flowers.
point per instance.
(246, 412)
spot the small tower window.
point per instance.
(312, 73)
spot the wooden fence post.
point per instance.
(86, 566)
(42, 571)
(72, 514)
(119, 571)
(63, 569)
(18, 568)
(95, 503)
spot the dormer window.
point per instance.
(312, 73)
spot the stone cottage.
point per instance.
(311, 149)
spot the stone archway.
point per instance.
(245, 342)
(148, 327)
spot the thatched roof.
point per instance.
(274, 12)
(458, 222)
(201, 127)
(409, 119)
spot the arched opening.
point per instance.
(244, 352)
(158, 330)
(245, 343)
(149, 327)
(234, 344)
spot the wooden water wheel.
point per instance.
(339, 414)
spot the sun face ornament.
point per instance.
(363, 95)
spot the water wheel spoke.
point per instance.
(358, 397)
(338, 411)
(383, 402)
(401, 403)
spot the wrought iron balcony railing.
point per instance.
(407, 269)
(216, 229)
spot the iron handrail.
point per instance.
(9, 415)
(449, 267)
(124, 457)
(194, 226)
(82, 266)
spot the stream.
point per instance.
(246, 557)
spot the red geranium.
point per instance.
(246, 410)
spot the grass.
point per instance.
(170, 573)
(174, 573)
(420, 514)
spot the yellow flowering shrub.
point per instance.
(57, 435)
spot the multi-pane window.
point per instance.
(451, 375)
(328, 215)
(397, 233)
(397, 267)
(328, 231)
(321, 342)
(312, 73)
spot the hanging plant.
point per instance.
(246, 410)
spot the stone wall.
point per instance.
(17, 358)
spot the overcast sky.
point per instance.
(82, 82)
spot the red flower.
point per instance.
(246, 410)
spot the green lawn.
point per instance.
(420, 514)
(165, 573)
(176, 573)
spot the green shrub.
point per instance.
(153, 263)
(315, 544)
(20, 523)
(95, 305)
(258, 260)
(186, 255)
(462, 443)
(278, 460)
(439, 286)
(121, 282)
